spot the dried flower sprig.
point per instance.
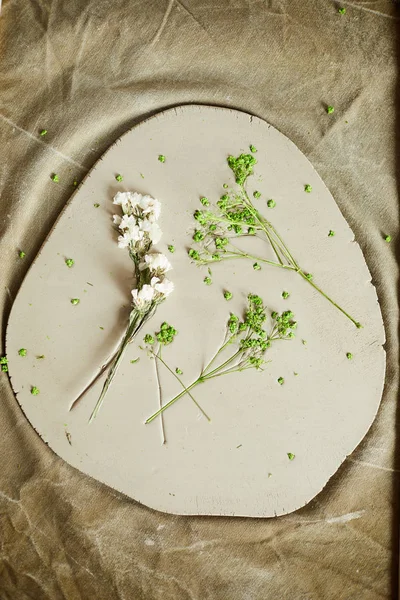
(243, 348)
(138, 231)
(234, 216)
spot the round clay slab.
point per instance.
(238, 463)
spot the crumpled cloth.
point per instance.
(88, 70)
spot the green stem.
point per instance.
(186, 390)
(356, 323)
(137, 320)
(171, 402)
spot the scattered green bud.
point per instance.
(21, 254)
(225, 185)
(280, 380)
(171, 248)
(285, 295)
(198, 236)
(193, 254)
(256, 267)
(228, 295)
(149, 339)
(291, 456)
(69, 262)
(119, 177)
(178, 371)
(166, 334)
(330, 109)
(96, 205)
(271, 203)
(161, 158)
(205, 201)
(75, 301)
(253, 148)
(308, 188)
(331, 233)
(22, 351)
(34, 390)
(342, 11)
(349, 355)
(54, 177)
(43, 132)
(207, 280)
(251, 231)
(257, 194)
(388, 238)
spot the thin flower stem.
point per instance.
(185, 389)
(171, 402)
(158, 355)
(356, 323)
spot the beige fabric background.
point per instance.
(87, 71)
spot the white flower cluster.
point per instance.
(139, 230)
(138, 224)
(159, 287)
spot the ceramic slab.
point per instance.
(237, 464)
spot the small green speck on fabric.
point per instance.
(349, 355)
(75, 301)
(228, 295)
(21, 254)
(285, 295)
(308, 188)
(331, 233)
(119, 177)
(75, 183)
(330, 109)
(342, 11)
(161, 158)
(54, 177)
(388, 238)
(178, 371)
(43, 132)
(291, 456)
(271, 203)
(34, 390)
(280, 380)
(22, 351)
(69, 262)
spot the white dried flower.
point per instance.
(134, 234)
(116, 219)
(143, 297)
(151, 207)
(157, 263)
(127, 223)
(152, 229)
(163, 287)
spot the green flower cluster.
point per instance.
(166, 334)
